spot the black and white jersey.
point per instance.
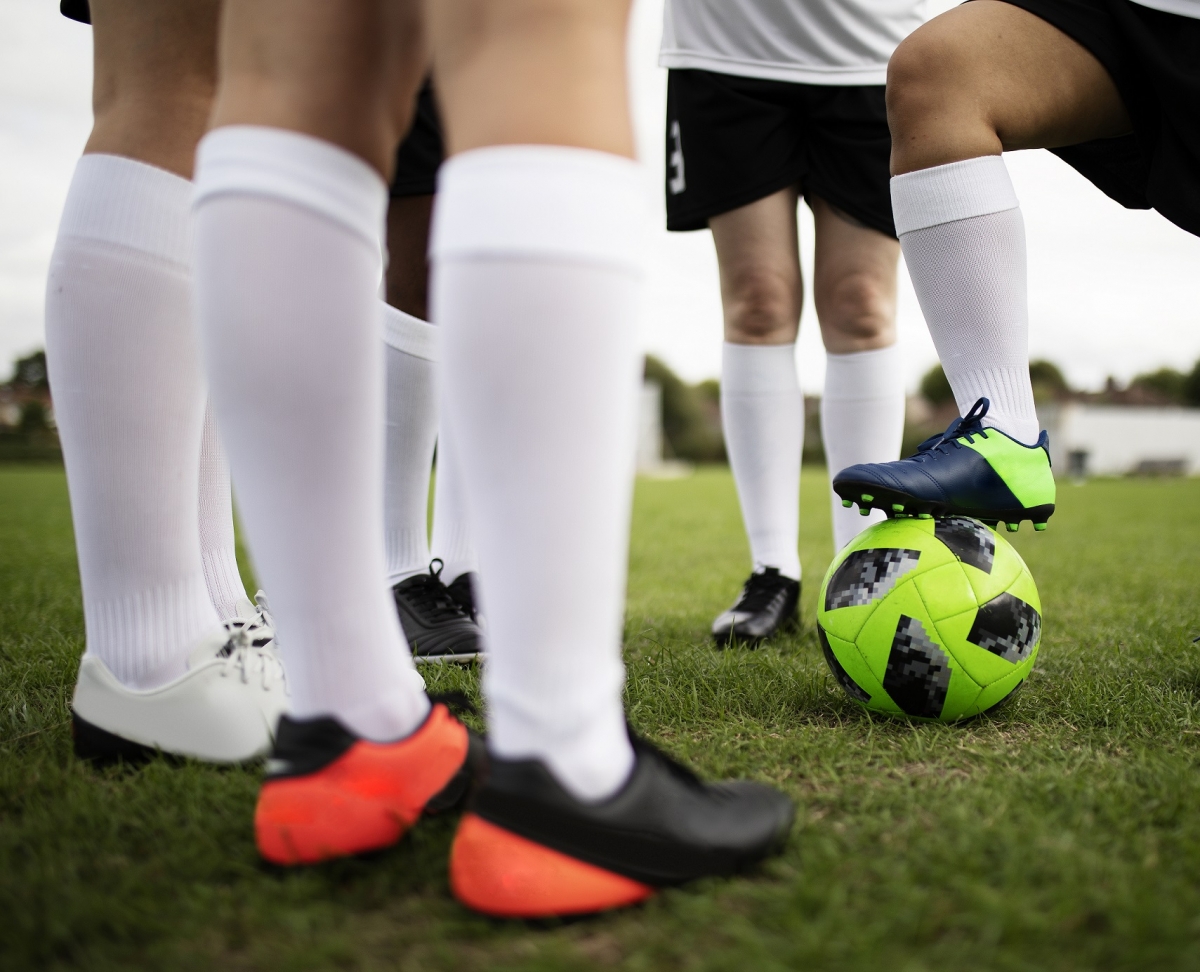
(1181, 8)
(839, 42)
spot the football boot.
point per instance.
(223, 709)
(329, 793)
(968, 470)
(462, 589)
(768, 602)
(527, 848)
(435, 625)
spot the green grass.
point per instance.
(1062, 833)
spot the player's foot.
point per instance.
(329, 793)
(223, 709)
(462, 589)
(526, 848)
(968, 470)
(435, 625)
(768, 603)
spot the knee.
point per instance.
(761, 307)
(857, 313)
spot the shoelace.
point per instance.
(966, 427)
(248, 660)
(430, 598)
(260, 628)
(759, 591)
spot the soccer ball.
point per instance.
(933, 619)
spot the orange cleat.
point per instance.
(527, 848)
(329, 793)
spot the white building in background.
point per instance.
(1116, 440)
(650, 461)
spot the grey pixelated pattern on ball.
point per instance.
(867, 575)
(849, 686)
(1006, 626)
(918, 671)
(969, 540)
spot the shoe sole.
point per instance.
(103, 748)
(498, 873)
(460, 659)
(894, 503)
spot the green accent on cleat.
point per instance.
(898, 507)
(924, 516)
(1039, 526)
(864, 511)
(847, 503)
(1013, 527)
(867, 497)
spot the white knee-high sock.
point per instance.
(963, 239)
(129, 401)
(411, 433)
(452, 542)
(762, 412)
(288, 233)
(536, 286)
(217, 542)
(862, 420)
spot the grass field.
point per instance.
(1062, 833)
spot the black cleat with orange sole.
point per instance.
(526, 848)
(330, 794)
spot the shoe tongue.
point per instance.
(208, 648)
(246, 609)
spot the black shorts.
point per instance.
(421, 152)
(734, 140)
(76, 10)
(1154, 60)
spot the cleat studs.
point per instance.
(864, 511)
(1013, 527)
(1039, 526)
(847, 503)
(867, 498)
(898, 507)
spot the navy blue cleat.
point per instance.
(968, 470)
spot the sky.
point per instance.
(1111, 291)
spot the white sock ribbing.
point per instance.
(288, 231)
(452, 542)
(129, 401)
(963, 239)
(536, 286)
(762, 411)
(217, 542)
(411, 433)
(862, 420)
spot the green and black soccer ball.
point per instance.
(933, 619)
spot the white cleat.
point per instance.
(223, 709)
(254, 617)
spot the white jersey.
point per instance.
(801, 41)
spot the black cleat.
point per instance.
(526, 848)
(436, 627)
(768, 603)
(462, 589)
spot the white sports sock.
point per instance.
(411, 434)
(217, 542)
(762, 412)
(129, 402)
(452, 541)
(862, 420)
(537, 286)
(288, 233)
(963, 239)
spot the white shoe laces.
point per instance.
(252, 662)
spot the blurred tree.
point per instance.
(1191, 387)
(691, 415)
(1048, 381)
(30, 372)
(1165, 384)
(935, 387)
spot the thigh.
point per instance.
(758, 254)
(988, 77)
(854, 281)
(154, 74)
(347, 72)
(535, 72)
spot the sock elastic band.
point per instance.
(958, 190)
(409, 334)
